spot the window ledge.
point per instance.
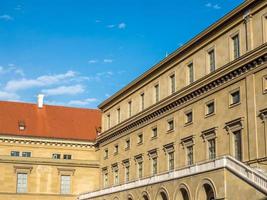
(154, 137)
(209, 115)
(140, 143)
(116, 153)
(188, 124)
(234, 105)
(170, 131)
(127, 148)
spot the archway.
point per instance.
(206, 191)
(182, 193)
(130, 197)
(162, 195)
(145, 196)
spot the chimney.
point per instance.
(40, 100)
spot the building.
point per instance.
(194, 125)
(47, 152)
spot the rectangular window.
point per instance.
(65, 184)
(108, 120)
(210, 108)
(235, 97)
(154, 165)
(212, 149)
(237, 145)
(26, 154)
(130, 108)
(56, 156)
(142, 96)
(172, 82)
(127, 144)
(190, 73)
(116, 149)
(127, 173)
(190, 160)
(140, 139)
(171, 160)
(170, 125)
(22, 182)
(154, 132)
(116, 176)
(105, 153)
(118, 115)
(14, 153)
(67, 157)
(140, 169)
(212, 60)
(189, 117)
(105, 178)
(236, 46)
(156, 93)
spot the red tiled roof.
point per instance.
(49, 121)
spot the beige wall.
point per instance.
(44, 173)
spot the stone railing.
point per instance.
(241, 170)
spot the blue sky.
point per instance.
(79, 52)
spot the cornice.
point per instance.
(185, 48)
(220, 77)
(45, 142)
(48, 161)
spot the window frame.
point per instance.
(62, 192)
(156, 93)
(190, 73)
(172, 79)
(211, 67)
(231, 102)
(186, 113)
(18, 183)
(207, 113)
(11, 153)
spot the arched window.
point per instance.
(209, 192)
(162, 195)
(184, 194)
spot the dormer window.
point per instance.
(22, 125)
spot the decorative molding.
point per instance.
(22, 169)
(152, 153)
(26, 140)
(188, 141)
(225, 74)
(168, 148)
(209, 133)
(65, 171)
(234, 125)
(263, 114)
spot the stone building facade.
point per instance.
(194, 125)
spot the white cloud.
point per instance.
(11, 69)
(111, 26)
(40, 81)
(92, 61)
(214, 6)
(64, 90)
(8, 96)
(122, 25)
(107, 60)
(98, 21)
(6, 17)
(82, 102)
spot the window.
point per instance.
(116, 149)
(22, 125)
(67, 157)
(236, 46)
(172, 82)
(142, 96)
(26, 154)
(116, 176)
(140, 139)
(14, 153)
(170, 125)
(212, 149)
(189, 117)
(22, 182)
(105, 153)
(265, 84)
(127, 173)
(140, 169)
(154, 132)
(127, 144)
(190, 155)
(65, 184)
(130, 108)
(154, 165)
(118, 115)
(190, 73)
(237, 145)
(235, 97)
(171, 160)
(156, 87)
(56, 156)
(210, 108)
(108, 120)
(105, 178)
(212, 60)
